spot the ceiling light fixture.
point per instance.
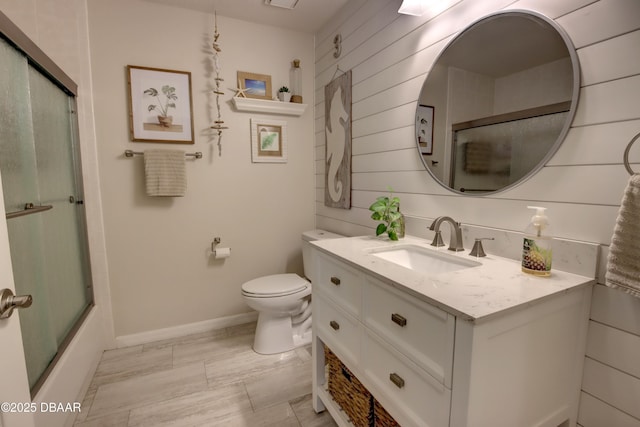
(285, 4)
(413, 7)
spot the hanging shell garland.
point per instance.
(219, 123)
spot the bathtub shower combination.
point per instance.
(43, 199)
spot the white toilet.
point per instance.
(283, 303)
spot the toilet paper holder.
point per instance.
(219, 253)
(216, 241)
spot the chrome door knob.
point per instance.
(9, 301)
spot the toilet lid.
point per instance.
(275, 285)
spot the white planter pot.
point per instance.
(284, 96)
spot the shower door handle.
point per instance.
(9, 301)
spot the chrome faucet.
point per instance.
(455, 243)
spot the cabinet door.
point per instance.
(341, 283)
(408, 393)
(338, 330)
(424, 333)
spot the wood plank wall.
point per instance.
(582, 185)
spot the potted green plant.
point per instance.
(169, 92)
(387, 209)
(284, 95)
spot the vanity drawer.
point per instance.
(340, 282)
(423, 332)
(337, 329)
(407, 392)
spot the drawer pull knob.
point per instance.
(335, 325)
(400, 320)
(397, 380)
(335, 280)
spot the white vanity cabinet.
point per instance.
(429, 365)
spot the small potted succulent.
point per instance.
(284, 95)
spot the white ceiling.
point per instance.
(308, 16)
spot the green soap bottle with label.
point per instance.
(536, 246)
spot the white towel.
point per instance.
(165, 173)
(623, 264)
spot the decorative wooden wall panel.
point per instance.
(338, 142)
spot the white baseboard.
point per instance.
(182, 330)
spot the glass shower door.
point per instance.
(63, 239)
(38, 163)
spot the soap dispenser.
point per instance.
(536, 247)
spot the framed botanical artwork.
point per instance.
(424, 128)
(268, 141)
(255, 85)
(160, 105)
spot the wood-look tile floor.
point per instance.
(209, 379)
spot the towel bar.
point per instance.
(131, 153)
(29, 208)
(626, 155)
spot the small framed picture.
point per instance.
(160, 105)
(268, 141)
(255, 85)
(424, 128)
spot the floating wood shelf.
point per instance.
(266, 106)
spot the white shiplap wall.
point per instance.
(582, 184)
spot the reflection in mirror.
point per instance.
(497, 103)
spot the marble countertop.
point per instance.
(475, 294)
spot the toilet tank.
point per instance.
(309, 236)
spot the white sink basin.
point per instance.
(423, 260)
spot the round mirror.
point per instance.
(497, 103)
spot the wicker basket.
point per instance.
(348, 392)
(382, 417)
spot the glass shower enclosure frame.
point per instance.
(44, 200)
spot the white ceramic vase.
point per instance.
(284, 96)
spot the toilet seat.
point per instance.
(276, 285)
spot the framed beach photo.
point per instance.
(268, 141)
(255, 85)
(160, 105)
(424, 128)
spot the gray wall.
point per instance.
(162, 275)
